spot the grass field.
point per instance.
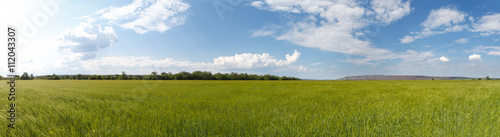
(254, 108)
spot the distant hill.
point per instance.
(399, 77)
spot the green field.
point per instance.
(253, 108)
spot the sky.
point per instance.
(308, 39)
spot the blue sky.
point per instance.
(310, 39)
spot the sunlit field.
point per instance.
(253, 108)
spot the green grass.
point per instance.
(254, 108)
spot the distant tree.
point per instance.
(218, 76)
(258, 77)
(55, 77)
(243, 76)
(163, 76)
(206, 75)
(25, 76)
(137, 78)
(478, 78)
(183, 75)
(234, 76)
(78, 76)
(488, 78)
(123, 76)
(267, 77)
(166, 76)
(154, 76)
(65, 77)
(197, 75)
(432, 78)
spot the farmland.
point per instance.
(253, 108)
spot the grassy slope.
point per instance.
(252, 108)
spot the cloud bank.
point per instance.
(439, 21)
(144, 16)
(84, 41)
(334, 25)
(238, 61)
(475, 57)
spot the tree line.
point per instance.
(196, 75)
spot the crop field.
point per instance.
(253, 108)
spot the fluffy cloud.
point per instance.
(490, 50)
(258, 4)
(445, 19)
(303, 69)
(462, 41)
(84, 41)
(444, 59)
(360, 61)
(137, 62)
(496, 53)
(407, 39)
(334, 25)
(475, 57)
(143, 16)
(238, 61)
(412, 59)
(248, 60)
(448, 19)
(388, 11)
(333, 38)
(487, 25)
(412, 56)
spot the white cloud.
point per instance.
(388, 11)
(331, 25)
(444, 17)
(360, 61)
(444, 59)
(248, 60)
(490, 50)
(258, 4)
(413, 62)
(462, 41)
(439, 21)
(319, 63)
(409, 58)
(266, 31)
(487, 25)
(475, 57)
(333, 38)
(471, 19)
(412, 56)
(407, 39)
(115, 63)
(143, 16)
(84, 41)
(302, 68)
(238, 61)
(496, 53)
